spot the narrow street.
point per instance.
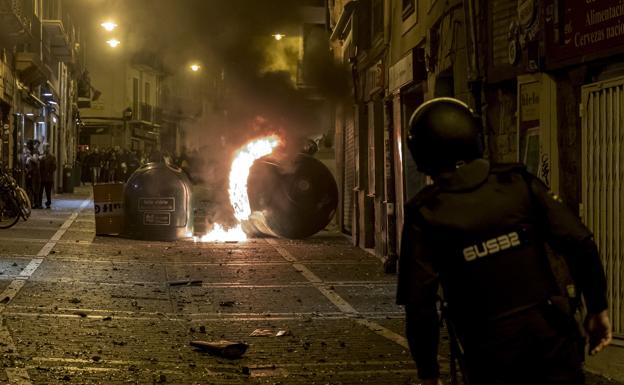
(80, 309)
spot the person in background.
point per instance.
(47, 165)
(33, 174)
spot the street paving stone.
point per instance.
(103, 310)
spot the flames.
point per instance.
(239, 173)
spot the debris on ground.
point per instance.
(269, 333)
(227, 303)
(262, 333)
(222, 348)
(74, 300)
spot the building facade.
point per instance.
(545, 77)
(40, 65)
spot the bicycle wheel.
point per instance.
(25, 201)
(9, 212)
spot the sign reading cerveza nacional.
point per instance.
(584, 28)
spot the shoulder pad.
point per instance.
(423, 197)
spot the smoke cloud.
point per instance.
(248, 84)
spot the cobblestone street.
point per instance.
(80, 309)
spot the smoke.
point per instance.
(249, 84)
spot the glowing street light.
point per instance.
(279, 36)
(113, 42)
(109, 25)
(195, 67)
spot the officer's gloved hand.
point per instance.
(598, 329)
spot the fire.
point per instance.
(239, 173)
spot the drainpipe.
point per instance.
(472, 49)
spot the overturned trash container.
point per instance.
(294, 199)
(108, 208)
(157, 202)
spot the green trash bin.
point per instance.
(68, 180)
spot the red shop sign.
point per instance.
(580, 28)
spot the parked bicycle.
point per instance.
(14, 201)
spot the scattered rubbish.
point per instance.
(269, 333)
(262, 333)
(66, 378)
(81, 314)
(162, 378)
(186, 282)
(222, 348)
(107, 318)
(74, 300)
(227, 303)
(14, 264)
(96, 358)
(202, 329)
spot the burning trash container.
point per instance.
(157, 202)
(291, 200)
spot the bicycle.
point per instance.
(14, 201)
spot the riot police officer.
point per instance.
(482, 233)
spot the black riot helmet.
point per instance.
(443, 132)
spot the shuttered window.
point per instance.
(602, 113)
(349, 172)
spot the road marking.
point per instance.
(336, 299)
(18, 376)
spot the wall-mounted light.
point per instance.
(279, 36)
(30, 114)
(53, 102)
(113, 42)
(195, 67)
(109, 25)
(47, 94)
(54, 119)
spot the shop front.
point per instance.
(406, 89)
(586, 57)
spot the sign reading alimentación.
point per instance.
(583, 28)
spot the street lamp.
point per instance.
(113, 42)
(109, 26)
(195, 67)
(279, 36)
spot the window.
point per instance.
(147, 93)
(409, 7)
(135, 96)
(378, 19)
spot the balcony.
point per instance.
(149, 113)
(57, 28)
(15, 21)
(32, 70)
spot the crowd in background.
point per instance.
(113, 164)
(39, 165)
(107, 164)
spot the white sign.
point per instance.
(401, 73)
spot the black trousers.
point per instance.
(47, 187)
(538, 346)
